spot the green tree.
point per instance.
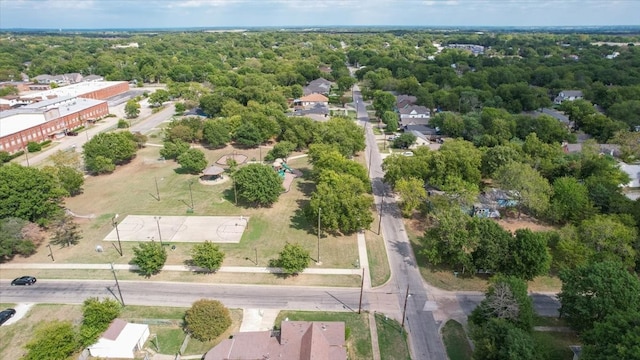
(343, 201)
(70, 179)
(207, 255)
(257, 184)
(150, 257)
(293, 259)
(404, 141)
(492, 247)
(345, 83)
(158, 97)
(449, 241)
(216, 133)
(281, 150)
(528, 186)
(383, 101)
(615, 337)
(52, 340)
(132, 109)
(207, 319)
(192, 161)
(593, 292)
(33, 147)
(341, 132)
(498, 339)
(412, 194)
(528, 255)
(248, 135)
(497, 156)
(609, 238)
(65, 231)
(29, 193)
(18, 237)
(117, 147)
(172, 150)
(507, 299)
(570, 201)
(97, 315)
(390, 119)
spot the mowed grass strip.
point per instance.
(131, 189)
(391, 339)
(456, 342)
(356, 326)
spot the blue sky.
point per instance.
(87, 14)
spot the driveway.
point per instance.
(21, 310)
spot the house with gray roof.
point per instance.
(568, 95)
(414, 115)
(403, 101)
(318, 86)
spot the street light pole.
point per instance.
(114, 222)
(404, 310)
(256, 250)
(51, 253)
(26, 153)
(157, 218)
(117, 284)
(318, 261)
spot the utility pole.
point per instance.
(361, 291)
(256, 250)
(235, 192)
(157, 189)
(51, 253)
(404, 310)
(26, 153)
(380, 220)
(117, 284)
(319, 262)
(114, 222)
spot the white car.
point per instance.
(407, 153)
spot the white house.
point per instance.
(121, 340)
(634, 174)
(568, 95)
(312, 100)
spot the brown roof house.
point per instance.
(312, 100)
(121, 340)
(298, 340)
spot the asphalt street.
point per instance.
(406, 281)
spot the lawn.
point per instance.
(357, 327)
(131, 190)
(555, 345)
(391, 339)
(456, 342)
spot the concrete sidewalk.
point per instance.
(226, 269)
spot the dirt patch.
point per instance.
(239, 158)
(524, 222)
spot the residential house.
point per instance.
(429, 132)
(604, 149)
(414, 115)
(421, 139)
(490, 203)
(559, 116)
(403, 101)
(64, 79)
(568, 95)
(92, 78)
(318, 86)
(312, 100)
(633, 170)
(297, 340)
(121, 340)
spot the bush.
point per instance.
(123, 124)
(96, 317)
(207, 319)
(4, 157)
(150, 257)
(45, 143)
(52, 340)
(33, 147)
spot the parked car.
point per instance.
(391, 138)
(72, 133)
(408, 153)
(24, 280)
(6, 315)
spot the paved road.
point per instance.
(184, 294)
(425, 342)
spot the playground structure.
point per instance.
(281, 167)
(286, 173)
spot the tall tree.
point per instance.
(615, 337)
(116, 147)
(527, 185)
(507, 299)
(383, 101)
(449, 241)
(570, 201)
(412, 194)
(257, 184)
(500, 340)
(593, 292)
(150, 257)
(293, 259)
(52, 340)
(528, 255)
(609, 238)
(192, 161)
(216, 133)
(207, 255)
(132, 109)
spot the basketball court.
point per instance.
(217, 229)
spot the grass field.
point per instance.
(555, 345)
(391, 339)
(131, 190)
(455, 341)
(356, 325)
(169, 330)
